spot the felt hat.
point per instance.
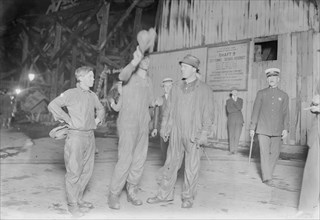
(59, 132)
(191, 60)
(272, 72)
(146, 40)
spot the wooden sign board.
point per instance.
(227, 67)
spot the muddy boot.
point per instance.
(131, 195)
(85, 206)
(113, 201)
(75, 211)
(186, 203)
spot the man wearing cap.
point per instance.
(158, 114)
(79, 148)
(270, 121)
(136, 97)
(187, 121)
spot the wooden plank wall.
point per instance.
(196, 23)
(188, 24)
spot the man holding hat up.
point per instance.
(158, 115)
(270, 120)
(133, 120)
(187, 121)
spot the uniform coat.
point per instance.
(270, 116)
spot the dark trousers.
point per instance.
(269, 154)
(234, 132)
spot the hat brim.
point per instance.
(189, 65)
(272, 74)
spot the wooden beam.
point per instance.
(66, 45)
(56, 72)
(105, 9)
(74, 65)
(83, 42)
(137, 21)
(36, 46)
(119, 23)
(106, 60)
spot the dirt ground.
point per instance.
(32, 183)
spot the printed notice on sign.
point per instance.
(227, 67)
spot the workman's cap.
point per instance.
(59, 132)
(167, 80)
(272, 72)
(191, 60)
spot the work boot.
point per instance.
(131, 195)
(85, 204)
(186, 203)
(156, 199)
(113, 201)
(269, 183)
(75, 211)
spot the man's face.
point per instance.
(167, 87)
(87, 80)
(187, 71)
(273, 81)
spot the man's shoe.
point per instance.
(155, 200)
(132, 198)
(113, 201)
(268, 182)
(75, 211)
(186, 204)
(85, 204)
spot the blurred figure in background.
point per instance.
(309, 195)
(235, 120)
(6, 108)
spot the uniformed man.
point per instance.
(270, 120)
(158, 114)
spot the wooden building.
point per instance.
(236, 40)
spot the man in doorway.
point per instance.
(85, 112)
(187, 121)
(158, 115)
(235, 120)
(270, 121)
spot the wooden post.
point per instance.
(25, 46)
(102, 37)
(55, 72)
(74, 66)
(137, 21)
